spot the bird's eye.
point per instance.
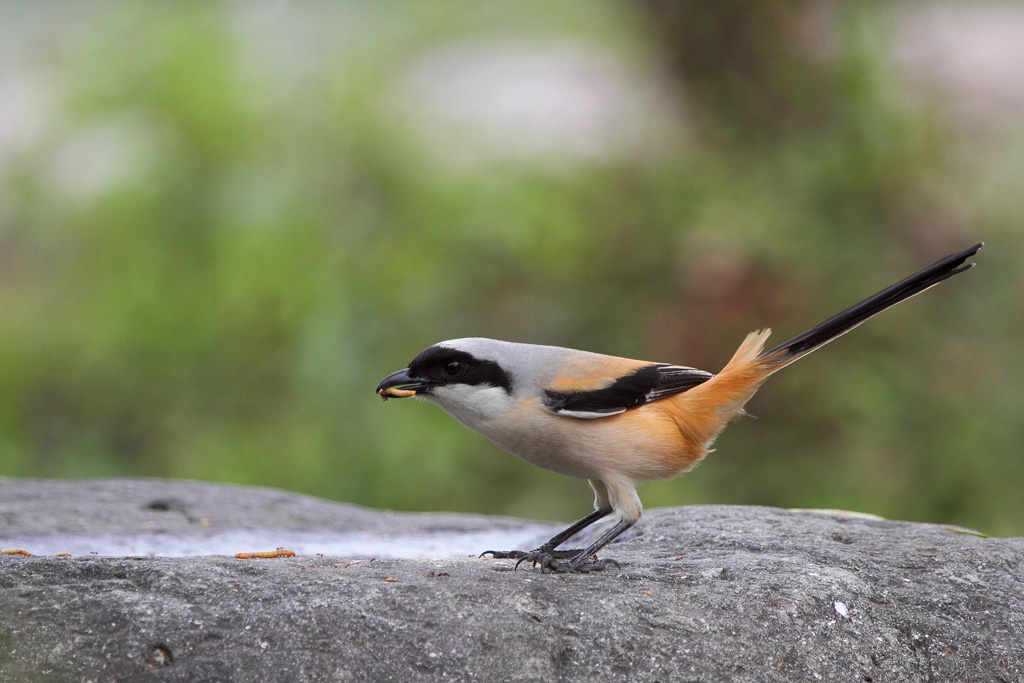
(453, 367)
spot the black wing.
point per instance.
(649, 383)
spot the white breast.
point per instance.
(522, 427)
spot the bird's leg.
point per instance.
(548, 549)
(582, 561)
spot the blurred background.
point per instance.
(222, 223)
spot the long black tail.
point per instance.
(844, 321)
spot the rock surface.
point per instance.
(708, 593)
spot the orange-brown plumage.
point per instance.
(583, 374)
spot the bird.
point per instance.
(616, 422)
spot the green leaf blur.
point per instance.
(221, 224)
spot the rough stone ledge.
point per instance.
(708, 593)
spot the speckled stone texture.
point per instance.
(709, 593)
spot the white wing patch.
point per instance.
(588, 414)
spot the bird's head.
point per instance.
(458, 375)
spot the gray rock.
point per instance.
(709, 593)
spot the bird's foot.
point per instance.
(560, 561)
(566, 561)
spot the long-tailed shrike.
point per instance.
(613, 421)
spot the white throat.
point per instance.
(474, 406)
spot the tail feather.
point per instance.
(723, 396)
(844, 321)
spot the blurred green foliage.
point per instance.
(228, 225)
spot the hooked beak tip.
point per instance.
(400, 385)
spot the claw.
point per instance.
(504, 554)
(560, 561)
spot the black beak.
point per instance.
(403, 382)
